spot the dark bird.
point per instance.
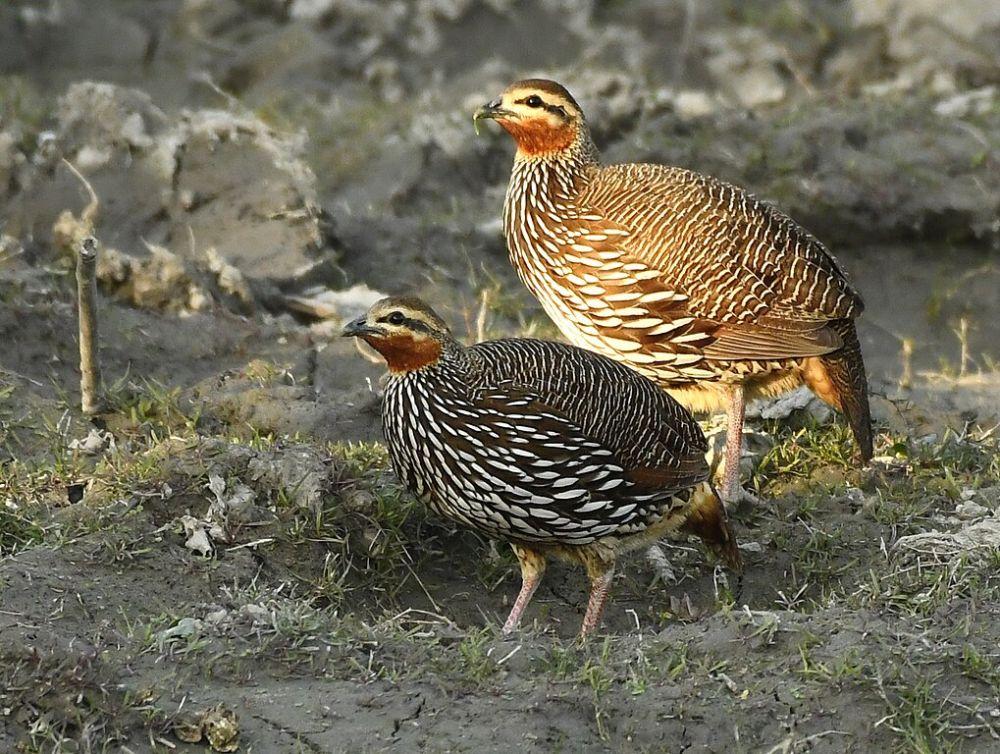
(557, 450)
(690, 281)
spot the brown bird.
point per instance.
(690, 281)
(557, 450)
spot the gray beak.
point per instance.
(490, 111)
(357, 328)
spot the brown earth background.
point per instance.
(223, 558)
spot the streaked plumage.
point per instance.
(686, 279)
(550, 447)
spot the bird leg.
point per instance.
(732, 492)
(532, 569)
(600, 571)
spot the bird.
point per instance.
(559, 451)
(691, 281)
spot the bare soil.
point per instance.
(264, 169)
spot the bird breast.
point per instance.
(601, 298)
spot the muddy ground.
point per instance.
(222, 557)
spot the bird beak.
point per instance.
(490, 111)
(358, 328)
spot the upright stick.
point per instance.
(86, 248)
(86, 289)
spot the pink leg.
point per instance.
(600, 574)
(532, 569)
(732, 492)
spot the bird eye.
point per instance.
(534, 101)
(396, 318)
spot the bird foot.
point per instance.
(740, 498)
(663, 572)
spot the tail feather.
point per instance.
(707, 518)
(839, 378)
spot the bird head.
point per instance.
(405, 330)
(541, 115)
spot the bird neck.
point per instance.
(541, 180)
(541, 183)
(571, 148)
(404, 353)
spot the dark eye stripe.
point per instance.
(415, 324)
(539, 102)
(412, 324)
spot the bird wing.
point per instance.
(542, 478)
(550, 443)
(772, 338)
(743, 280)
(625, 412)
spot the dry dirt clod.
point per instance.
(185, 628)
(234, 505)
(969, 510)
(222, 729)
(785, 405)
(973, 539)
(323, 303)
(96, 442)
(218, 726)
(230, 279)
(198, 539)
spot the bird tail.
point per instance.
(839, 378)
(707, 518)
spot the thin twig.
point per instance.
(963, 338)
(87, 248)
(86, 290)
(89, 214)
(484, 302)
(906, 379)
